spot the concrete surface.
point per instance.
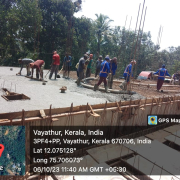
(42, 96)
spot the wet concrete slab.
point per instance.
(42, 96)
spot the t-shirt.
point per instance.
(90, 63)
(26, 61)
(81, 64)
(98, 64)
(67, 59)
(38, 64)
(56, 59)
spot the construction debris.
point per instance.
(63, 89)
(13, 96)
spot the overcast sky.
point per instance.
(164, 13)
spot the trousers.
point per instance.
(102, 79)
(159, 84)
(54, 69)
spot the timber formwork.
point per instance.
(125, 113)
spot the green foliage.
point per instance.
(34, 28)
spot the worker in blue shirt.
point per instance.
(127, 74)
(103, 74)
(113, 67)
(162, 72)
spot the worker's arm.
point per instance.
(83, 64)
(108, 68)
(129, 70)
(69, 60)
(53, 59)
(167, 74)
(157, 72)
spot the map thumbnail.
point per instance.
(12, 150)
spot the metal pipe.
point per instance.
(139, 30)
(157, 43)
(125, 21)
(135, 30)
(161, 36)
(139, 47)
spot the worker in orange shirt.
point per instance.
(55, 65)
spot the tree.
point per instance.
(101, 28)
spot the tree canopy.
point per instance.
(34, 28)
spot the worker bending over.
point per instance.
(39, 65)
(55, 65)
(127, 75)
(162, 72)
(103, 74)
(113, 67)
(26, 62)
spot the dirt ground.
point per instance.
(143, 90)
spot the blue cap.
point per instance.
(163, 66)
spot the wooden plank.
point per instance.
(34, 113)
(148, 168)
(158, 135)
(108, 152)
(174, 139)
(173, 128)
(43, 115)
(161, 155)
(35, 79)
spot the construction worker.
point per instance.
(103, 74)
(39, 65)
(98, 65)
(175, 78)
(77, 65)
(81, 68)
(162, 72)
(25, 61)
(113, 67)
(127, 74)
(88, 71)
(85, 66)
(55, 65)
(67, 64)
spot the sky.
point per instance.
(165, 13)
